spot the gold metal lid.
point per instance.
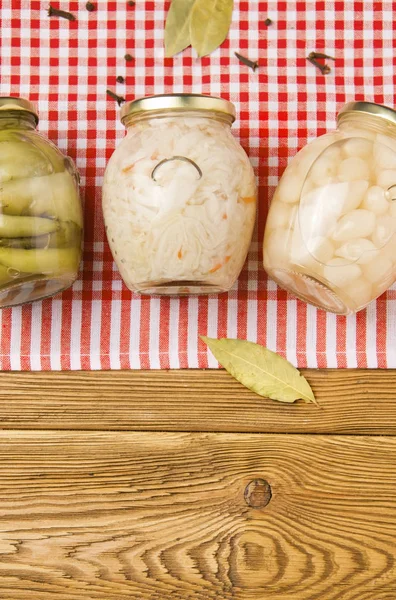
(178, 102)
(369, 108)
(19, 104)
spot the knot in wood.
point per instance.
(258, 493)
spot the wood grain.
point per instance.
(105, 516)
(351, 401)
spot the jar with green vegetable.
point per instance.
(40, 210)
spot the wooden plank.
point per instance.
(350, 401)
(101, 516)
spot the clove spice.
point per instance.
(128, 57)
(312, 58)
(120, 79)
(320, 55)
(268, 22)
(55, 12)
(252, 64)
(119, 99)
(131, 3)
(90, 6)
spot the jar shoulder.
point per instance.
(200, 140)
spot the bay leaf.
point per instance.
(177, 27)
(209, 24)
(261, 370)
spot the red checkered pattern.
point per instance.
(65, 68)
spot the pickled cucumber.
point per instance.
(67, 235)
(12, 227)
(48, 260)
(27, 243)
(20, 159)
(54, 196)
(50, 151)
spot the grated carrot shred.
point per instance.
(219, 265)
(216, 268)
(129, 168)
(248, 199)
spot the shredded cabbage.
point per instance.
(178, 227)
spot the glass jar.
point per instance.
(330, 233)
(179, 196)
(40, 210)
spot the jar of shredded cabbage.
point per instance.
(40, 210)
(330, 233)
(179, 196)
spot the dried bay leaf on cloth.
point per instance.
(261, 370)
(209, 24)
(177, 27)
(202, 23)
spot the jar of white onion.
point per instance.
(179, 196)
(330, 233)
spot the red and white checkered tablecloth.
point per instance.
(65, 68)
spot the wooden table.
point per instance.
(184, 485)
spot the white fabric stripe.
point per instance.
(371, 336)
(350, 342)
(115, 334)
(56, 324)
(94, 343)
(252, 320)
(232, 318)
(174, 311)
(134, 333)
(291, 331)
(272, 316)
(391, 335)
(35, 337)
(75, 335)
(331, 341)
(15, 345)
(213, 317)
(311, 337)
(192, 343)
(155, 333)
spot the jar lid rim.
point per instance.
(371, 108)
(178, 102)
(20, 104)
